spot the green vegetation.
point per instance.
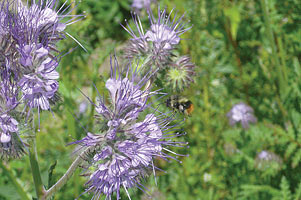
(245, 51)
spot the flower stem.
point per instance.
(271, 38)
(35, 169)
(235, 46)
(8, 172)
(63, 180)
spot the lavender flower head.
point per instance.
(241, 113)
(156, 45)
(123, 150)
(28, 39)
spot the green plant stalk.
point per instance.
(282, 57)
(14, 180)
(35, 169)
(271, 38)
(234, 44)
(276, 61)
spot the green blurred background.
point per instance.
(245, 51)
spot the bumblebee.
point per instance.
(180, 104)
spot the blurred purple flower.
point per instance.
(123, 152)
(83, 106)
(140, 4)
(266, 159)
(241, 113)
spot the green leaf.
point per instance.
(297, 67)
(297, 195)
(8, 192)
(296, 158)
(50, 173)
(290, 149)
(285, 189)
(250, 190)
(233, 14)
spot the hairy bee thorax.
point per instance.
(180, 104)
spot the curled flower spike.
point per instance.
(241, 113)
(160, 39)
(180, 75)
(124, 149)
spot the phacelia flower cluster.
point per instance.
(123, 150)
(28, 59)
(241, 113)
(155, 47)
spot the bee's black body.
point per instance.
(183, 105)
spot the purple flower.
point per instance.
(28, 38)
(37, 93)
(139, 4)
(83, 106)
(156, 45)
(3, 19)
(8, 94)
(42, 22)
(39, 82)
(10, 143)
(241, 113)
(123, 149)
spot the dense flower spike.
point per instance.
(28, 38)
(125, 147)
(181, 74)
(241, 113)
(28, 61)
(156, 45)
